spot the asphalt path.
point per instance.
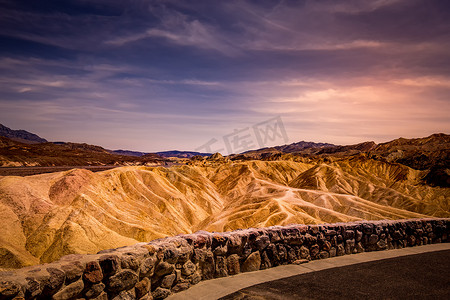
(419, 276)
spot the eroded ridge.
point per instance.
(169, 265)
(48, 216)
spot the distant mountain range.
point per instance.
(290, 148)
(128, 152)
(432, 153)
(22, 136)
(312, 148)
(17, 154)
(181, 154)
(26, 137)
(295, 147)
(167, 154)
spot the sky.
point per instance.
(160, 75)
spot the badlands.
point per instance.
(47, 216)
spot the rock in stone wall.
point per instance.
(156, 269)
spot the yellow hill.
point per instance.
(47, 216)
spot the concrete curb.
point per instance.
(220, 287)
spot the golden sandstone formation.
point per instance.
(50, 215)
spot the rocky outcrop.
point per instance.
(156, 269)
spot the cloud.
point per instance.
(352, 7)
(314, 45)
(178, 30)
(424, 82)
(161, 72)
(361, 111)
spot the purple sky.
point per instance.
(162, 75)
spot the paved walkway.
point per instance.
(221, 287)
(418, 276)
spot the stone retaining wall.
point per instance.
(156, 269)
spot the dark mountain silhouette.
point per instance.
(13, 153)
(173, 153)
(349, 149)
(302, 145)
(26, 137)
(22, 136)
(128, 152)
(181, 154)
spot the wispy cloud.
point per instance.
(166, 73)
(178, 29)
(424, 81)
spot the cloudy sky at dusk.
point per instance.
(161, 75)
